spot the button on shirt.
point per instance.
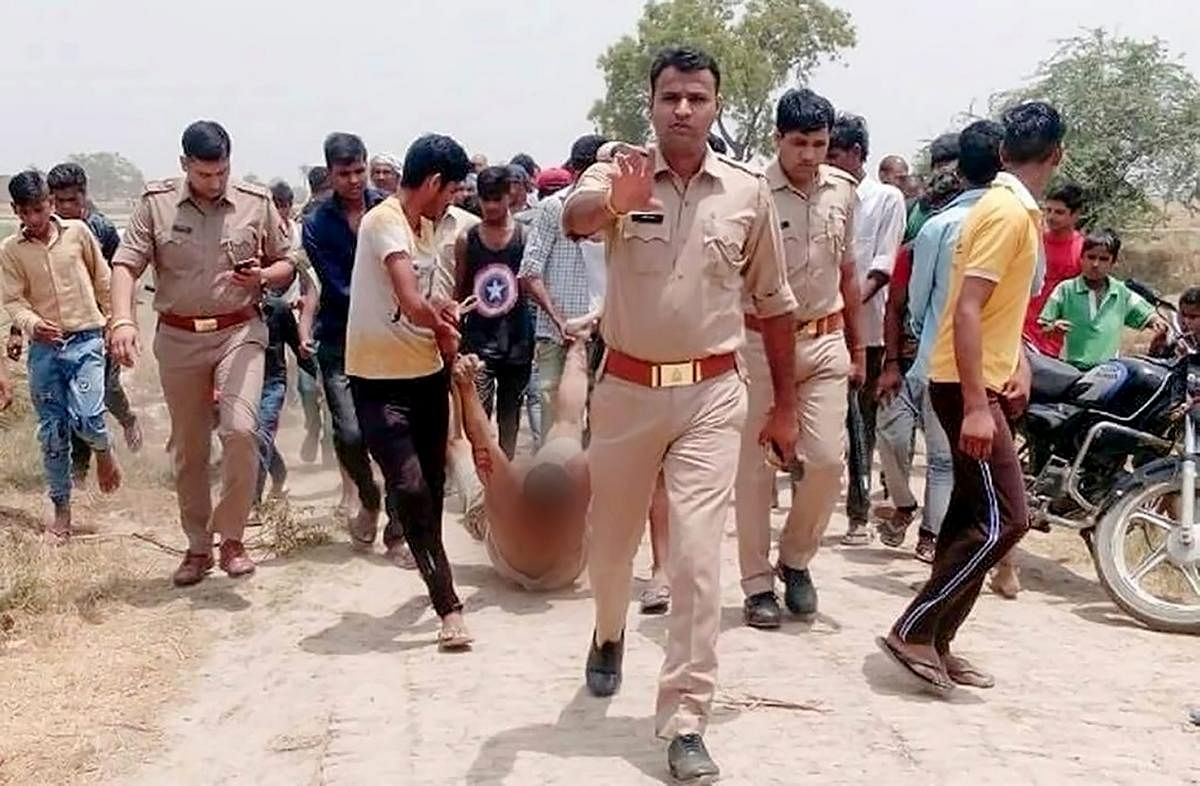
(561, 264)
(676, 278)
(878, 230)
(63, 280)
(817, 230)
(330, 243)
(193, 247)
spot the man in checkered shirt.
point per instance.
(554, 273)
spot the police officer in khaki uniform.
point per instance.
(816, 205)
(686, 233)
(213, 245)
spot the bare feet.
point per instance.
(108, 472)
(363, 527)
(454, 635)
(1005, 581)
(401, 556)
(58, 529)
(133, 437)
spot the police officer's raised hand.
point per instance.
(632, 186)
(124, 345)
(781, 432)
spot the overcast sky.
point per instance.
(128, 75)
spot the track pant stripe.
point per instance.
(993, 536)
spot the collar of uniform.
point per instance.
(1013, 184)
(710, 166)
(183, 193)
(57, 225)
(778, 181)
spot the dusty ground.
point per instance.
(324, 671)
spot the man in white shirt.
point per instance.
(878, 231)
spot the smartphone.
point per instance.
(244, 265)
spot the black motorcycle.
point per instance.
(1111, 452)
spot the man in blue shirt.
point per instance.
(928, 288)
(330, 239)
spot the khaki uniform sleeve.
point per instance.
(277, 244)
(766, 267)
(99, 271)
(596, 180)
(137, 247)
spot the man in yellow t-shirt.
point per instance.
(397, 334)
(977, 376)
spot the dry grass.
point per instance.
(285, 531)
(1167, 260)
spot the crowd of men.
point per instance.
(677, 325)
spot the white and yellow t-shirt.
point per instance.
(379, 346)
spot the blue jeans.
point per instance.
(270, 406)
(533, 407)
(66, 383)
(911, 410)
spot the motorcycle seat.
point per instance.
(1051, 378)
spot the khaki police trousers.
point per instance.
(822, 371)
(691, 433)
(191, 366)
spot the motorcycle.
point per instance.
(1112, 452)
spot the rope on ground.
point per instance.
(748, 701)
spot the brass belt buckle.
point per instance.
(204, 325)
(673, 375)
(807, 329)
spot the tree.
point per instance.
(111, 176)
(1132, 111)
(761, 45)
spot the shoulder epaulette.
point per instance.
(159, 186)
(252, 188)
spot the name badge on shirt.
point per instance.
(646, 218)
(182, 229)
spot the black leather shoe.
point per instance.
(603, 675)
(689, 761)
(801, 595)
(762, 611)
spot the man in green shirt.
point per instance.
(1091, 309)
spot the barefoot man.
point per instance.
(535, 532)
(686, 233)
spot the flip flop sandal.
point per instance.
(891, 534)
(857, 537)
(655, 600)
(930, 675)
(970, 676)
(455, 639)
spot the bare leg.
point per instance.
(1005, 581)
(571, 398)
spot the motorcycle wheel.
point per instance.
(1141, 563)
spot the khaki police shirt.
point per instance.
(191, 247)
(676, 278)
(817, 230)
(455, 222)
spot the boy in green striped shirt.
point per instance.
(1091, 308)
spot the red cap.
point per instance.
(557, 177)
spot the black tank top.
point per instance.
(506, 337)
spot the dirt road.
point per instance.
(326, 672)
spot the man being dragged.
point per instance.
(536, 509)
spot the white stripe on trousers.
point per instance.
(992, 538)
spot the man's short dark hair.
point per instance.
(1190, 297)
(206, 140)
(68, 175)
(434, 154)
(526, 162)
(1107, 239)
(979, 152)
(342, 149)
(943, 150)
(318, 178)
(848, 131)
(1070, 194)
(282, 192)
(804, 111)
(687, 60)
(494, 182)
(583, 152)
(1032, 132)
(28, 188)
